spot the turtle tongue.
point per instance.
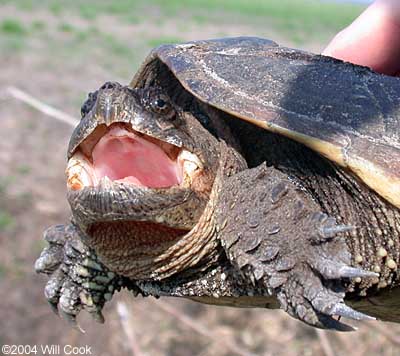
(122, 155)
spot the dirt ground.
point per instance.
(59, 58)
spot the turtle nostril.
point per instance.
(110, 85)
(89, 103)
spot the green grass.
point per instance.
(6, 220)
(24, 169)
(5, 181)
(38, 25)
(12, 45)
(38, 246)
(288, 14)
(3, 272)
(89, 11)
(55, 7)
(82, 36)
(200, 19)
(301, 21)
(154, 42)
(298, 20)
(12, 36)
(306, 13)
(65, 27)
(12, 27)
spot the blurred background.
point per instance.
(58, 51)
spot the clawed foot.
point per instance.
(272, 231)
(313, 289)
(77, 279)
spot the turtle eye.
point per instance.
(161, 105)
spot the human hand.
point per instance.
(372, 40)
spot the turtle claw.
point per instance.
(54, 307)
(331, 269)
(332, 231)
(353, 272)
(341, 309)
(78, 280)
(98, 316)
(318, 285)
(71, 320)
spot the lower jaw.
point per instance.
(132, 248)
(119, 203)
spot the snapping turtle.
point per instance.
(235, 172)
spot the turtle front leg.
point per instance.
(78, 280)
(278, 237)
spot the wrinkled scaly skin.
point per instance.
(298, 232)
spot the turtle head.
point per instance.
(140, 172)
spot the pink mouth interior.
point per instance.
(124, 156)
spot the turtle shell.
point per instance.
(345, 112)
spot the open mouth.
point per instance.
(120, 154)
